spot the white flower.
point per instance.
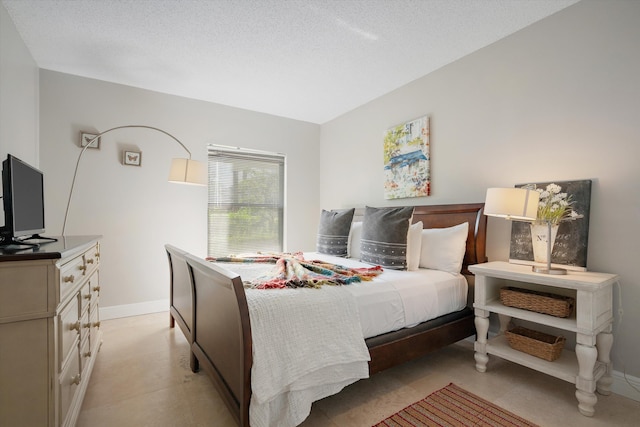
(554, 205)
(543, 193)
(554, 188)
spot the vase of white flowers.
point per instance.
(553, 208)
(539, 239)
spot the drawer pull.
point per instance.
(97, 255)
(75, 326)
(76, 379)
(90, 261)
(87, 296)
(87, 325)
(82, 267)
(96, 324)
(87, 354)
(68, 279)
(96, 288)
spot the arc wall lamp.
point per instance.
(183, 170)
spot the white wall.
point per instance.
(559, 100)
(135, 208)
(18, 95)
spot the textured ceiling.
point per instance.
(311, 60)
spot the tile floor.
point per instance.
(142, 378)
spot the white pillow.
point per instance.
(355, 235)
(414, 242)
(443, 248)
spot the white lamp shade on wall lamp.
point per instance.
(187, 171)
(517, 204)
(183, 170)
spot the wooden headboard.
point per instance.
(442, 216)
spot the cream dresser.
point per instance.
(49, 330)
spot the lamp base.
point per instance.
(545, 270)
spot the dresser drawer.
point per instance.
(86, 293)
(69, 328)
(92, 258)
(85, 355)
(71, 274)
(86, 327)
(95, 288)
(69, 380)
(95, 326)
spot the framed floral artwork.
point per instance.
(569, 248)
(407, 171)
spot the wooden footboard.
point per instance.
(222, 333)
(181, 296)
(217, 324)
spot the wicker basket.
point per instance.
(539, 344)
(540, 302)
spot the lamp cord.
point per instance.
(616, 329)
(75, 172)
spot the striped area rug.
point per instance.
(453, 406)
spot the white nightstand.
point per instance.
(589, 368)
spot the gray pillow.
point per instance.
(333, 232)
(384, 236)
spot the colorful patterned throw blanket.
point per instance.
(291, 270)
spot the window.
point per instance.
(246, 201)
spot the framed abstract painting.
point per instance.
(407, 171)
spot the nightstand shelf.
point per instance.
(568, 324)
(564, 368)
(589, 367)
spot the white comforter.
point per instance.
(298, 357)
(318, 348)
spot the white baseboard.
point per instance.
(625, 386)
(128, 310)
(621, 385)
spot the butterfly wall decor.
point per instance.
(132, 158)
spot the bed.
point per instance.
(209, 304)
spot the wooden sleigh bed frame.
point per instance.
(210, 307)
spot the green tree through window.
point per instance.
(246, 200)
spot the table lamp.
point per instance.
(516, 204)
(519, 204)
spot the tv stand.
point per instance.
(39, 237)
(13, 245)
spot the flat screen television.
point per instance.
(23, 200)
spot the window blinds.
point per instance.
(246, 201)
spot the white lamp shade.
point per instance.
(187, 171)
(518, 204)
